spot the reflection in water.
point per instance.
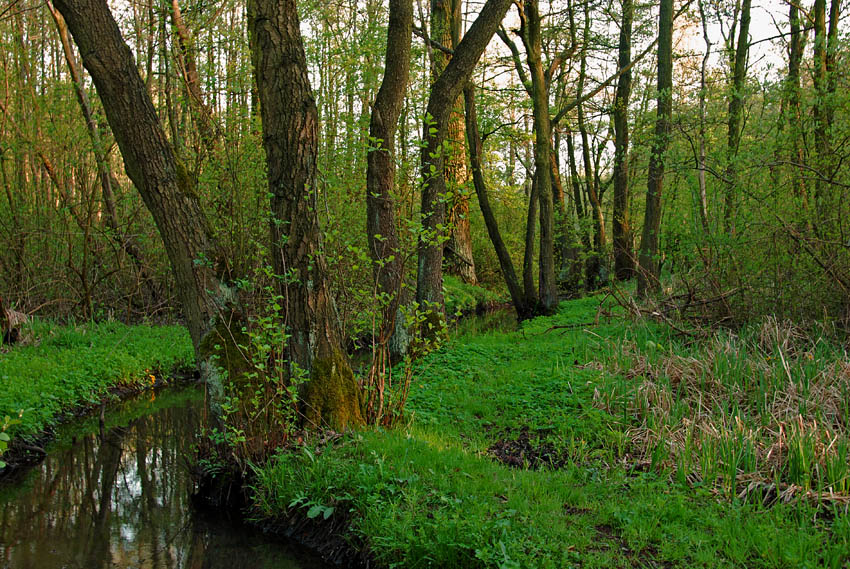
(120, 499)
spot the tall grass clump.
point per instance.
(762, 412)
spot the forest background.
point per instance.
(753, 208)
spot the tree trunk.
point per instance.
(624, 261)
(444, 92)
(548, 291)
(290, 136)
(150, 162)
(701, 160)
(446, 23)
(518, 298)
(381, 229)
(649, 272)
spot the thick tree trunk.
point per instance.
(290, 136)
(624, 261)
(380, 169)
(444, 92)
(150, 162)
(548, 291)
(650, 269)
(381, 229)
(446, 30)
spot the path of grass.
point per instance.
(431, 494)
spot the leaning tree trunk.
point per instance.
(649, 268)
(150, 162)
(290, 136)
(444, 92)
(521, 305)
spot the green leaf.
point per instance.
(315, 511)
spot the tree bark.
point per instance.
(624, 261)
(290, 137)
(446, 23)
(521, 305)
(548, 291)
(444, 92)
(701, 159)
(381, 228)
(649, 267)
(150, 162)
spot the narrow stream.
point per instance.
(120, 499)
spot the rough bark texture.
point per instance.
(446, 30)
(290, 137)
(380, 170)
(149, 161)
(444, 92)
(548, 291)
(650, 268)
(381, 228)
(624, 262)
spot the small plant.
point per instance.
(5, 439)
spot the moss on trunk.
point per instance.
(332, 397)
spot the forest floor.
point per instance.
(592, 441)
(585, 439)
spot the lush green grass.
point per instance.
(60, 367)
(431, 494)
(461, 297)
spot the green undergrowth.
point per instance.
(61, 367)
(463, 298)
(521, 450)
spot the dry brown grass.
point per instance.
(745, 415)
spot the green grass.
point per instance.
(430, 494)
(463, 298)
(61, 367)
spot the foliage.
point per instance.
(582, 490)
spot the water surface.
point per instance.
(118, 497)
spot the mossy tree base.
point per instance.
(332, 397)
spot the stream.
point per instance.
(120, 498)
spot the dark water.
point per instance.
(120, 499)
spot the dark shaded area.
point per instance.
(527, 451)
(119, 497)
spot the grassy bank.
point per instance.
(571, 443)
(58, 368)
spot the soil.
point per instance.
(523, 451)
